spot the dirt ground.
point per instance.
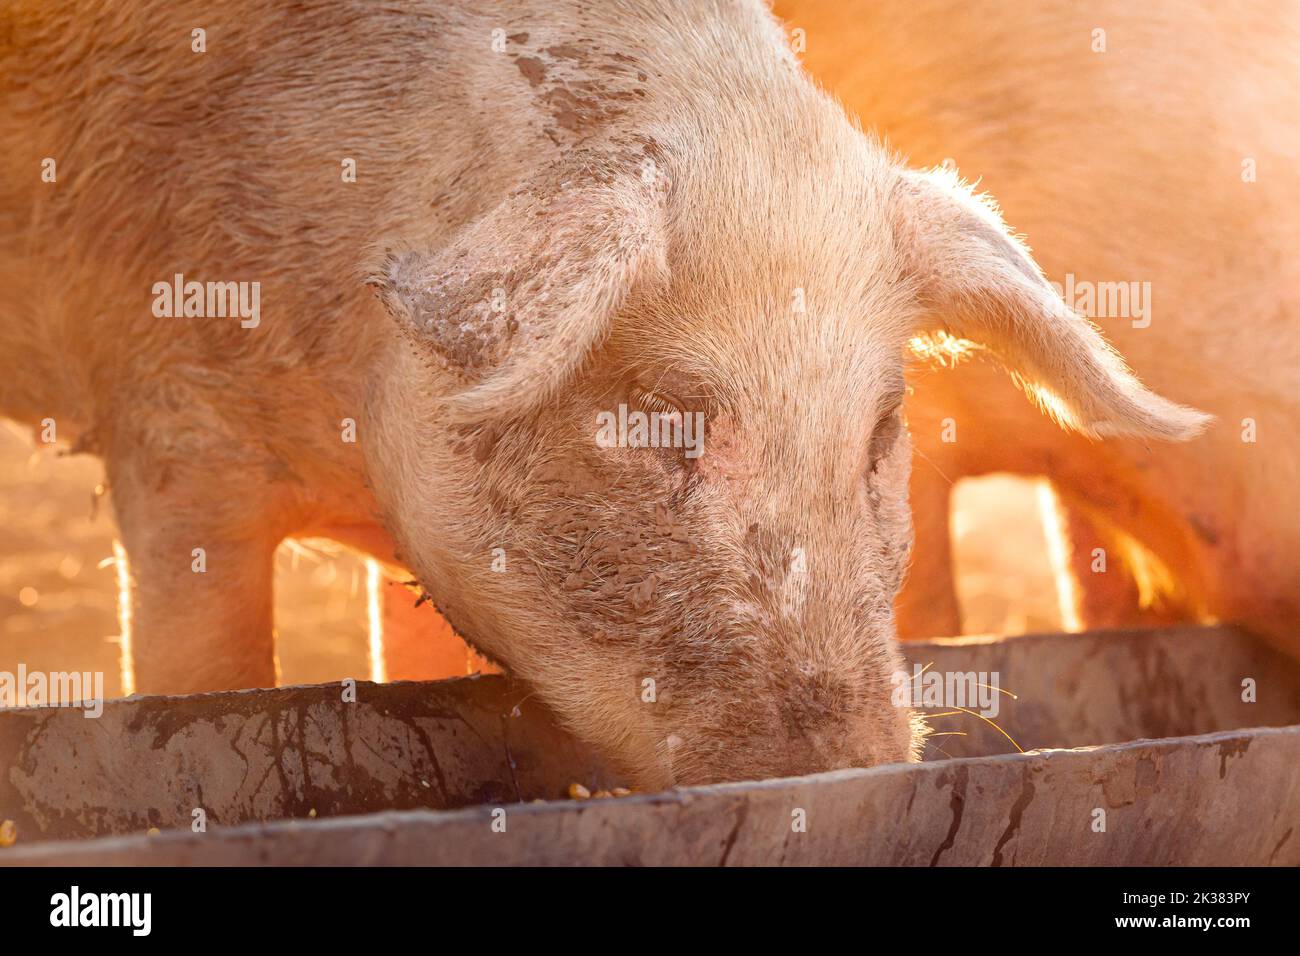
(59, 587)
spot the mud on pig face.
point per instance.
(720, 606)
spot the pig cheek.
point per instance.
(889, 730)
(892, 516)
(724, 459)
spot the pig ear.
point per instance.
(523, 294)
(979, 281)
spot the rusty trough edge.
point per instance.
(282, 753)
(1227, 798)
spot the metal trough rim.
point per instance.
(444, 837)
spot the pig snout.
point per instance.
(802, 730)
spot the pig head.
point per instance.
(576, 213)
(721, 610)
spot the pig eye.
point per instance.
(671, 429)
(654, 401)
(883, 438)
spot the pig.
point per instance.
(1151, 146)
(477, 229)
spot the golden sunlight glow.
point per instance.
(1002, 572)
(1154, 581)
(126, 663)
(941, 347)
(375, 614)
(1058, 556)
(1052, 404)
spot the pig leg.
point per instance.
(201, 594)
(927, 604)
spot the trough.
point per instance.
(1141, 749)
